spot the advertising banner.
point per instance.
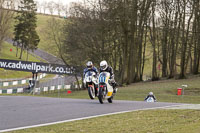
(36, 67)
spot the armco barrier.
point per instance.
(11, 91)
(20, 82)
(42, 89)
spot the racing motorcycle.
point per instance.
(90, 81)
(150, 100)
(105, 88)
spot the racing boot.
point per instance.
(115, 90)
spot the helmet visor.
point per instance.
(103, 67)
(89, 67)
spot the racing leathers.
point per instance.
(110, 70)
(150, 96)
(94, 69)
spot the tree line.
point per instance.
(43, 7)
(129, 34)
(125, 32)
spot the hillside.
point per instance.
(46, 43)
(9, 52)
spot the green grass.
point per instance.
(46, 43)
(7, 54)
(165, 91)
(159, 121)
(166, 121)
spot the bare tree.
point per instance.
(17, 4)
(39, 6)
(6, 17)
(44, 6)
(65, 10)
(51, 7)
(185, 34)
(59, 7)
(153, 42)
(118, 31)
(196, 36)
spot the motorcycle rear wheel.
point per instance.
(110, 100)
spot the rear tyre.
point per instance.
(110, 100)
(91, 92)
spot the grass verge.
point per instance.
(159, 121)
(162, 121)
(165, 91)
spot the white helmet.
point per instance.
(150, 93)
(103, 65)
(89, 64)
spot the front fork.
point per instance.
(96, 90)
(104, 90)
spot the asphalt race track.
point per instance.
(22, 111)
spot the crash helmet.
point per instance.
(151, 93)
(89, 64)
(103, 65)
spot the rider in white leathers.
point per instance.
(90, 67)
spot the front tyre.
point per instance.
(91, 92)
(101, 95)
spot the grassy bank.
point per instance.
(46, 42)
(9, 52)
(160, 121)
(165, 91)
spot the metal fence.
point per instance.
(45, 85)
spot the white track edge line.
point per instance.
(83, 118)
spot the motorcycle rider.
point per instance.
(104, 67)
(90, 67)
(150, 95)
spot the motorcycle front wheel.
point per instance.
(102, 95)
(91, 92)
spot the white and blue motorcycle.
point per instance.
(105, 88)
(91, 83)
(150, 100)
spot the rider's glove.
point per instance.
(112, 81)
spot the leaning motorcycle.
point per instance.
(105, 88)
(150, 100)
(90, 81)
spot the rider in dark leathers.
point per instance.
(104, 67)
(150, 95)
